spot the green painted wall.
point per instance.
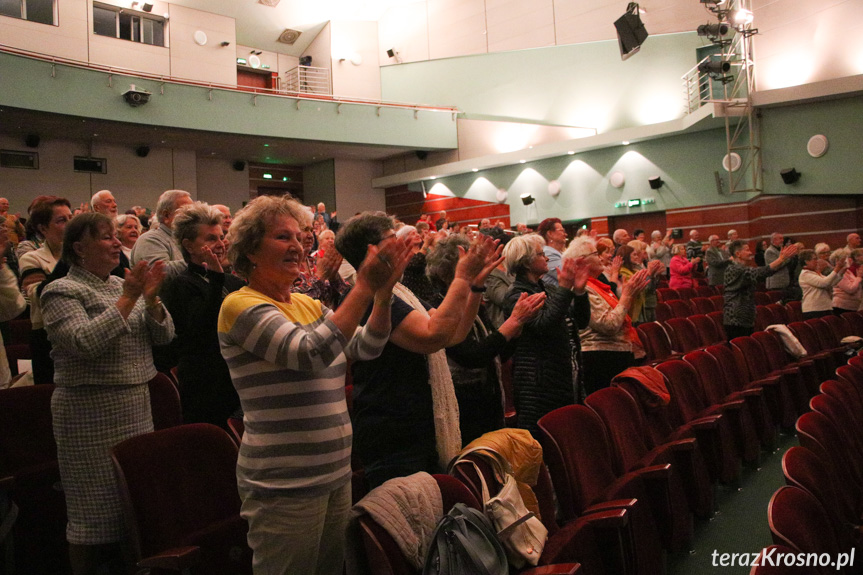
(577, 85)
(686, 163)
(29, 84)
(785, 133)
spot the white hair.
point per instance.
(519, 251)
(97, 197)
(580, 247)
(404, 231)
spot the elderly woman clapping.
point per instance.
(194, 299)
(102, 329)
(286, 354)
(544, 374)
(609, 342)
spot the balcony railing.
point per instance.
(308, 80)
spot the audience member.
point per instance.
(694, 249)
(14, 229)
(822, 251)
(330, 218)
(778, 281)
(405, 411)
(521, 229)
(638, 234)
(760, 249)
(620, 237)
(103, 202)
(415, 278)
(717, 259)
(848, 293)
(227, 218)
(631, 264)
(741, 280)
(319, 279)
(12, 304)
(128, 232)
(682, 268)
(194, 298)
(817, 288)
(554, 235)
(610, 263)
(609, 342)
(294, 472)
(441, 223)
(101, 329)
(475, 362)
(543, 375)
(660, 247)
(159, 244)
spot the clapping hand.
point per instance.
(527, 307)
(476, 263)
(637, 283)
(211, 262)
(328, 264)
(384, 265)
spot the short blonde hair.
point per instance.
(677, 248)
(519, 251)
(250, 226)
(638, 245)
(580, 247)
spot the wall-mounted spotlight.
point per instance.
(527, 199)
(790, 175)
(31, 140)
(256, 52)
(147, 7)
(715, 68)
(714, 30)
(655, 182)
(743, 17)
(225, 44)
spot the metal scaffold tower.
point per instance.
(726, 79)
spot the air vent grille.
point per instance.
(289, 36)
(24, 160)
(91, 165)
(270, 3)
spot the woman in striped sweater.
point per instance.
(287, 356)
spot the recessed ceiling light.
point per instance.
(625, 142)
(475, 170)
(571, 152)
(433, 178)
(522, 161)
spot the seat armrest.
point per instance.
(734, 404)
(559, 569)
(7, 483)
(706, 422)
(685, 444)
(654, 472)
(612, 504)
(176, 559)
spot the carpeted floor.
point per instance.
(740, 525)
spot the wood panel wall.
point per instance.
(408, 206)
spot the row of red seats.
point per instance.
(667, 293)
(820, 510)
(766, 314)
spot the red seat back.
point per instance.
(777, 357)
(826, 338)
(780, 313)
(663, 312)
(712, 375)
(756, 360)
(686, 393)
(703, 305)
(655, 340)
(718, 302)
(855, 322)
(622, 420)
(666, 293)
(761, 298)
(708, 333)
(580, 470)
(705, 291)
(795, 310)
(164, 402)
(717, 317)
(797, 520)
(161, 475)
(807, 336)
(681, 308)
(763, 317)
(839, 325)
(775, 295)
(684, 336)
(686, 294)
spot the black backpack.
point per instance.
(464, 543)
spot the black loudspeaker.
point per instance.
(790, 176)
(31, 140)
(239, 165)
(677, 233)
(142, 151)
(305, 60)
(631, 33)
(421, 154)
(655, 182)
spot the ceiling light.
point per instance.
(268, 176)
(571, 152)
(271, 3)
(475, 170)
(743, 17)
(522, 161)
(718, 67)
(625, 142)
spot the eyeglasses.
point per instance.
(591, 254)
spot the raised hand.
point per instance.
(133, 285)
(153, 278)
(655, 267)
(527, 307)
(328, 264)
(383, 263)
(788, 251)
(483, 252)
(211, 261)
(636, 283)
(582, 274)
(616, 263)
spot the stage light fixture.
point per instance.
(715, 30)
(527, 199)
(631, 32)
(790, 176)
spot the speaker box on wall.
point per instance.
(239, 165)
(32, 141)
(142, 151)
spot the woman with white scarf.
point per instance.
(405, 410)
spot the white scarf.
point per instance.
(444, 402)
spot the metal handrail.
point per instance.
(112, 70)
(308, 80)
